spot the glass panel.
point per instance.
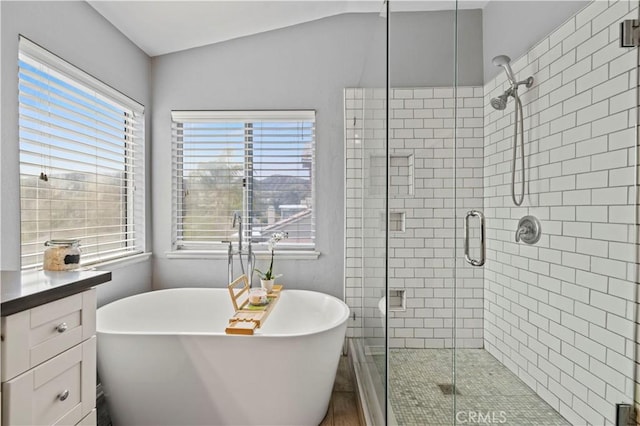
(422, 209)
(531, 329)
(544, 331)
(366, 221)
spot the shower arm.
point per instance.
(528, 83)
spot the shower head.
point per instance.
(500, 102)
(503, 61)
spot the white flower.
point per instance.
(277, 236)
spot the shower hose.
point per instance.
(518, 119)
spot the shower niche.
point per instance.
(401, 175)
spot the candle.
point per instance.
(257, 296)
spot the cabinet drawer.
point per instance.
(61, 391)
(33, 336)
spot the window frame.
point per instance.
(185, 248)
(131, 159)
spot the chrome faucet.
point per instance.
(229, 261)
(237, 218)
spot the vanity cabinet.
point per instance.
(49, 363)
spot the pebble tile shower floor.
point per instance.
(483, 387)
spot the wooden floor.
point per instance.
(343, 408)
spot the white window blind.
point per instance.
(81, 161)
(259, 164)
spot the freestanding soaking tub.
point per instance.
(164, 359)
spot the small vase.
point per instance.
(267, 285)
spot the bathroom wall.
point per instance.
(513, 27)
(427, 318)
(77, 33)
(429, 192)
(561, 313)
(421, 48)
(305, 66)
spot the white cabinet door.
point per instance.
(60, 391)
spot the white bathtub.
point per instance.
(164, 359)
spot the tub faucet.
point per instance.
(237, 218)
(229, 260)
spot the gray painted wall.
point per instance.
(301, 67)
(76, 32)
(305, 66)
(513, 27)
(422, 48)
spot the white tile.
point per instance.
(593, 78)
(593, 112)
(562, 63)
(602, 370)
(563, 32)
(609, 160)
(609, 196)
(611, 88)
(623, 139)
(609, 267)
(592, 180)
(574, 103)
(576, 70)
(624, 63)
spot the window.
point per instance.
(257, 164)
(81, 161)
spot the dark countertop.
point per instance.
(23, 290)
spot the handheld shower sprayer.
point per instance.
(500, 103)
(503, 61)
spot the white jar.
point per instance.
(61, 255)
(258, 296)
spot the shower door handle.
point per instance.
(471, 261)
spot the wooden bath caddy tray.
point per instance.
(248, 317)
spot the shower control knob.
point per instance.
(529, 230)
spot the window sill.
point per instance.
(117, 263)
(121, 262)
(260, 255)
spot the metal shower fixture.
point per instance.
(500, 103)
(504, 61)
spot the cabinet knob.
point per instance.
(62, 327)
(64, 395)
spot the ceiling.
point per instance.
(159, 27)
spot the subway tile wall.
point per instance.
(430, 191)
(365, 204)
(561, 313)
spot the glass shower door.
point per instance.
(544, 331)
(366, 224)
(424, 210)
